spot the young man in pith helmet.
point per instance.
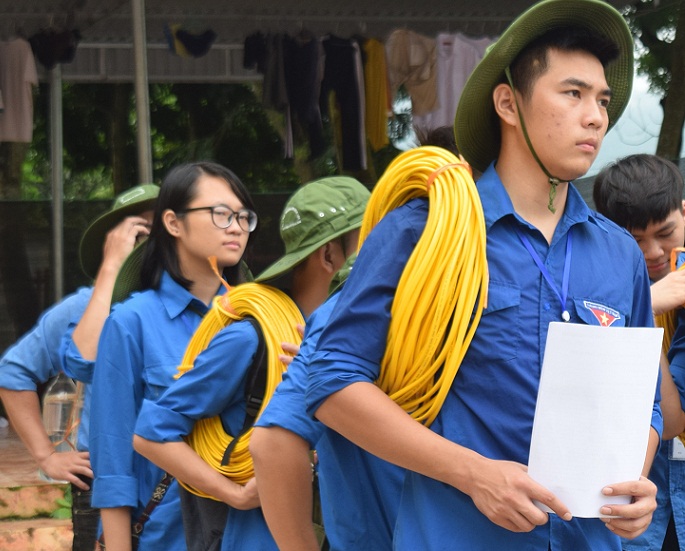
(38, 356)
(531, 133)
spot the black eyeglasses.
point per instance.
(223, 216)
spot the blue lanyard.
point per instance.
(543, 270)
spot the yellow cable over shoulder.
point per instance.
(278, 316)
(443, 288)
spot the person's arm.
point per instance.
(181, 461)
(116, 528)
(23, 408)
(671, 407)
(668, 293)
(205, 391)
(284, 474)
(501, 490)
(119, 243)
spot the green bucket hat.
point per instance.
(476, 124)
(132, 201)
(315, 214)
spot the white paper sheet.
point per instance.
(593, 411)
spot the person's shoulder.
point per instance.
(605, 224)
(242, 331)
(136, 304)
(407, 216)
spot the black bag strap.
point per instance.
(255, 389)
(137, 527)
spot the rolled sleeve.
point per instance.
(159, 424)
(73, 363)
(115, 491)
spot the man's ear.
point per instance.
(682, 208)
(327, 258)
(504, 101)
(171, 222)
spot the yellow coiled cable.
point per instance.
(278, 316)
(443, 288)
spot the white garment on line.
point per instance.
(18, 76)
(457, 56)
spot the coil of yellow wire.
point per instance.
(278, 316)
(443, 288)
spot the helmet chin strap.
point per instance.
(553, 180)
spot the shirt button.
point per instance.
(547, 306)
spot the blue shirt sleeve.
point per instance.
(73, 363)
(352, 345)
(214, 386)
(35, 357)
(117, 391)
(286, 409)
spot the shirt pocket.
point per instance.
(598, 312)
(157, 379)
(499, 332)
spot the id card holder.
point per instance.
(677, 450)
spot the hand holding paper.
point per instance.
(593, 413)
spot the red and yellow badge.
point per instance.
(605, 315)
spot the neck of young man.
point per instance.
(529, 190)
(309, 288)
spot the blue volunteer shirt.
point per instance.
(214, 386)
(37, 356)
(141, 346)
(668, 470)
(491, 405)
(360, 493)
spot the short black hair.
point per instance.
(176, 193)
(532, 62)
(638, 190)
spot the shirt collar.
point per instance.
(176, 299)
(497, 204)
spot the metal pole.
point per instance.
(57, 180)
(142, 95)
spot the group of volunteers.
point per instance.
(375, 388)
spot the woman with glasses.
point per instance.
(203, 210)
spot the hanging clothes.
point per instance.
(457, 55)
(303, 65)
(377, 94)
(18, 76)
(344, 78)
(412, 62)
(275, 91)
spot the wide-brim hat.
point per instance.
(476, 124)
(128, 279)
(133, 201)
(315, 214)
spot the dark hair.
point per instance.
(442, 136)
(177, 191)
(638, 190)
(532, 61)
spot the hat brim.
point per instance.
(128, 279)
(93, 240)
(289, 260)
(476, 124)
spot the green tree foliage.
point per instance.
(225, 123)
(661, 57)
